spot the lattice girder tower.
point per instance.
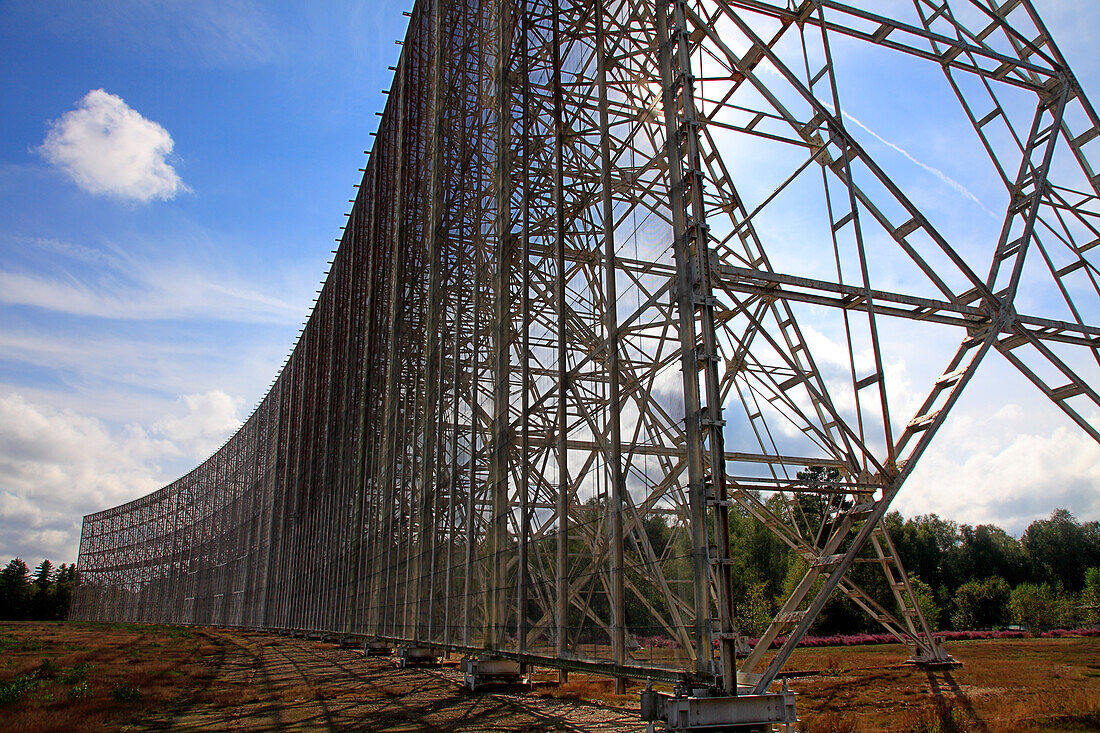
(619, 273)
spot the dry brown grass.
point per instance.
(592, 689)
(831, 722)
(943, 716)
(216, 679)
(89, 669)
(1075, 710)
(1004, 685)
(833, 666)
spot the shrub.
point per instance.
(48, 670)
(13, 690)
(982, 604)
(125, 692)
(926, 597)
(1038, 607)
(656, 642)
(1090, 596)
(9, 643)
(79, 691)
(78, 673)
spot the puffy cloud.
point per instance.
(1009, 467)
(108, 148)
(993, 461)
(206, 421)
(57, 465)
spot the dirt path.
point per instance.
(272, 683)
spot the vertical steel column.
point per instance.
(376, 345)
(431, 337)
(452, 477)
(562, 579)
(497, 617)
(477, 239)
(463, 304)
(79, 608)
(471, 481)
(522, 579)
(270, 617)
(327, 532)
(695, 306)
(359, 344)
(396, 287)
(457, 371)
(611, 334)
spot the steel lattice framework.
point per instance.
(559, 344)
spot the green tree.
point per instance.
(927, 546)
(1036, 607)
(760, 557)
(926, 598)
(988, 551)
(42, 593)
(818, 500)
(43, 575)
(644, 596)
(756, 610)
(1061, 549)
(1090, 596)
(63, 595)
(15, 591)
(838, 615)
(982, 604)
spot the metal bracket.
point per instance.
(705, 711)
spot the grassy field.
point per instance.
(68, 677)
(1003, 685)
(97, 677)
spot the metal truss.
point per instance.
(561, 344)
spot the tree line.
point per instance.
(965, 577)
(42, 596)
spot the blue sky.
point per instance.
(135, 334)
(147, 302)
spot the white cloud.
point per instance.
(993, 461)
(1008, 467)
(57, 465)
(208, 419)
(142, 286)
(160, 292)
(107, 148)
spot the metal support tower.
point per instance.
(620, 276)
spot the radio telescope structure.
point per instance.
(619, 273)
